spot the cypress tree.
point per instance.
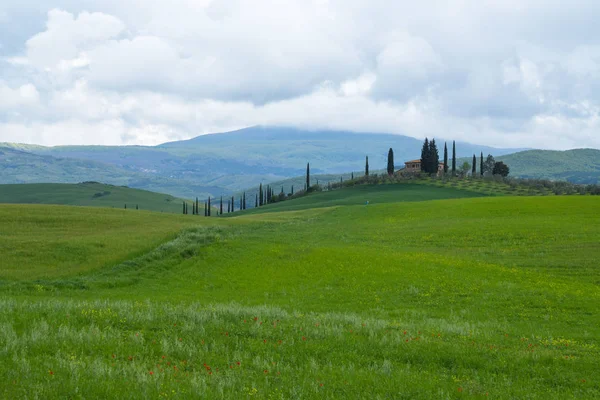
(474, 170)
(425, 156)
(282, 190)
(183, 207)
(241, 204)
(453, 158)
(292, 190)
(481, 164)
(209, 207)
(260, 195)
(434, 157)
(307, 175)
(367, 166)
(256, 201)
(352, 176)
(244, 200)
(197, 206)
(126, 206)
(390, 162)
(445, 158)
(232, 204)
(221, 207)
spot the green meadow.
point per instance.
(424, 293)
(89, 194)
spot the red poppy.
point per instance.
(151, 373)
(266, 371)
(51, 372)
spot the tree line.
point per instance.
(430, 164)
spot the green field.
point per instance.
(90, 194)
(473, 297)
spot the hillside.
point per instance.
(217, 164)
(17, 165)
(89, 194)
(577, 166)
(492, 297)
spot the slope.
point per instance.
(484, 297)
(577, 166)
(17, 165)
(89, 194)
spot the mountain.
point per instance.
(90, 194)
(225, 163)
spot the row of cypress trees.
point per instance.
(430, 159)
(265, 195)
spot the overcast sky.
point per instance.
(510, 73)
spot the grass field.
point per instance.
(89, 194)
(489, 297)
(374, 194)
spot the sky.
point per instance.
(506, 73)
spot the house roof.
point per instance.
(418, 161)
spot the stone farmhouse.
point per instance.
(415, 166)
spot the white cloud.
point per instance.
(518, 73)
(16, 98)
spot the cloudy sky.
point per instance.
(518, 73)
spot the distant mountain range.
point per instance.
(228, 162)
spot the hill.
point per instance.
(18, 165)
(577, 166)
(217, 164)
(359, 195)
(473, 297)
(91, 194)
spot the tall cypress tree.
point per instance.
(292, 190)
(352, 176)
(182, 209)
(221, 207)
(434, 158)
(244, 200)
(425, 156)
(445, 158)
(453, 158)
(367, 166)
(197, 206)
(256, 201)
(474, 168)
(481, 164)
(261, 199)
(209, 207)
(390, 162)
(307, 175)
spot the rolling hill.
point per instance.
(489, 297)
(577, 166)
(18, 165)
(91, 194)
(213, 164)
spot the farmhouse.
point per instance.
(415, 166)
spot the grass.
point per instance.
(55, 241)
(89, 194)
(374, 194)
(489, 297)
